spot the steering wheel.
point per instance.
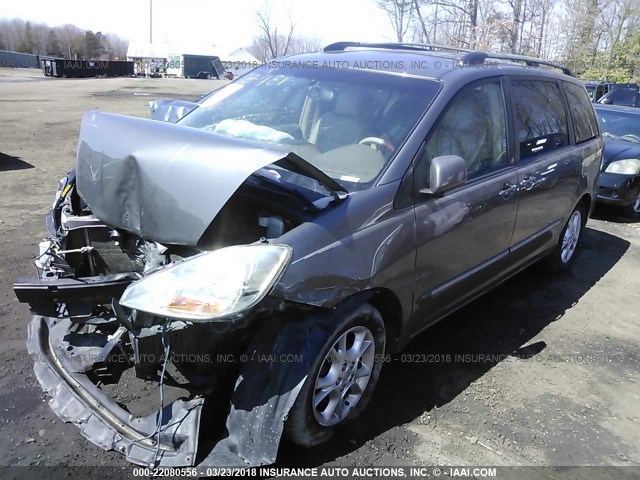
(377, 142)
(631, 137)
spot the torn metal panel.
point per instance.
(278, 361)
(159, 180)
(74, 398)
(44, 295)
(277, 365)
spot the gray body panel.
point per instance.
(170, 110)
(362, 243)
(455, 234)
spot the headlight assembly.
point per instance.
(211, 285)
(629, 166)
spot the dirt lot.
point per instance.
(543, 371)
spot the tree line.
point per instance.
(66, 41)
(598, 39)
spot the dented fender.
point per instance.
(278, 361)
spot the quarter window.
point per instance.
(540, 117)
(584, 120)
(472, 127)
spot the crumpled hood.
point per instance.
(161, 181)
(170, 110)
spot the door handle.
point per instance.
(508, 189)
(528, 182)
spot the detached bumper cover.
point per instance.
(44, 295)
(74, 398)
(264, 392)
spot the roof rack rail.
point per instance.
(340, 46)
(476, 58)
(470, 57)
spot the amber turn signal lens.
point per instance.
(186, 304)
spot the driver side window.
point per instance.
(473, 127)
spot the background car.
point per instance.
(619, 182)
(598, 89)
(627, 95)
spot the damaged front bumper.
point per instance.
(75, 398)
(262, 395)
(86, 332)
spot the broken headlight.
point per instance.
(210, 285)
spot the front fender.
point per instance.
(361, 244)
(275, 366)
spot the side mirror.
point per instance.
(446, 172)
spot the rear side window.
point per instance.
(584, 120)
(540, 117)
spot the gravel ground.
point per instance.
(545, 370)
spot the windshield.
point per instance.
(620, 124)
(347, 123)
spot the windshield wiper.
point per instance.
(299, 165)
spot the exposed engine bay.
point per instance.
(91, 328)
(84, 266)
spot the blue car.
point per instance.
(619, 181)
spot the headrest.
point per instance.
(347, 103)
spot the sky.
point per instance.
(210, 22)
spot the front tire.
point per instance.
(563, 255)
(341, 379)
(633, 210)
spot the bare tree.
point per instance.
(400, 14)
(269, 41)
(116, 47)
(422, 24)
(72, 40)
(306, 45)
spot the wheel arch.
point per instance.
(586, 201)
(389, 306)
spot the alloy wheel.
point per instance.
(571, 236)
(343, 376)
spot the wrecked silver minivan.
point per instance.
(262, 253)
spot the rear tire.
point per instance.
(341, 379)
(563, 255)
